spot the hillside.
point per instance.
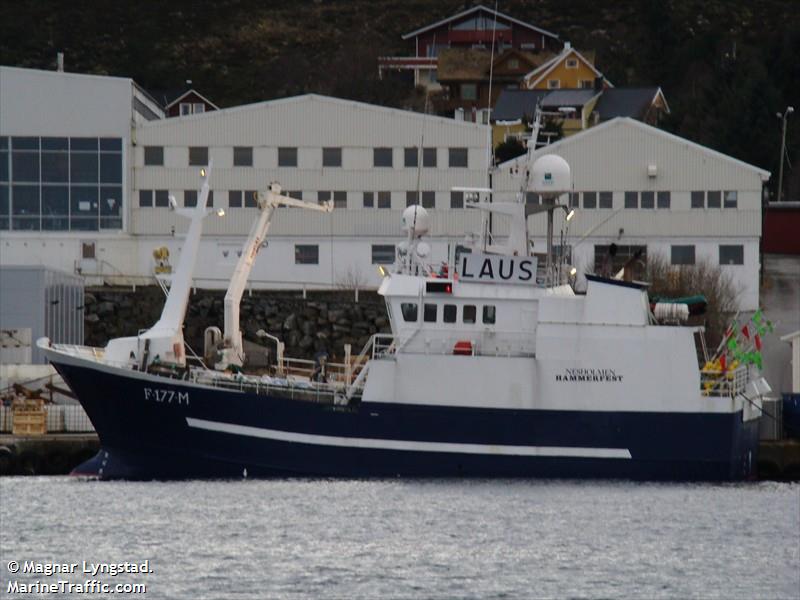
(726, 67)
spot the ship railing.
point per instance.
(727, 383)
(90, 353)
(290, 387)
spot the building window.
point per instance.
(382, 157)
(306, 254)
(323, 197)
(457, 157)
(682, 255)
(242, 156)
(631, 199)
(714, 199)
(449, 313)
(469, 91)
(162, 198)
(154, 156)
(61, 184)
(412, 198)
(572, 63)
(198, 156)
(190, 198)
(296, 194)
(553, 84)
(663, 199)
(331, 157)
(648, 199)
(429, 199)
(608, 260)
(235, 199)
(287, 157)
(410, 157)
(513, 63)
(731, 254)
(198, 107)
(384, 200)
(489, 314)
(250, 199)
(731, 200)
(145, 198)
(575, 199)
(456, 199)
(185, 108)
(340, 199)
(382, 254)
(589, 199)
(606, 199)
(532, 198)
(429, 157)
(698, 199)
(470, 314)
(586, 84)
(409, 310)
(369, 199)
(429, 313)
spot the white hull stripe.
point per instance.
(407, 445)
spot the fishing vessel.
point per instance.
(495, 367)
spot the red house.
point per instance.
(475, 28)
(185, 101)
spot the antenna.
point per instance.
(489, 150)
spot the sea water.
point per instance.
(399, 539)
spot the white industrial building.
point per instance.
(71, 144)
(641, 188)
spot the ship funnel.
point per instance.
(550, 176)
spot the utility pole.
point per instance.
(789, 110)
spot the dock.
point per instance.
(48, 454)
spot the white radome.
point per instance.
(550, 174)
(416, 220)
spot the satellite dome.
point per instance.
(416, 220)
(550, 175)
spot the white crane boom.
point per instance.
(232, 353)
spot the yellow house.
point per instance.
(568, 70)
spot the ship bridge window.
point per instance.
(450, 311)
(469, 314)
(489, 314)
(409, 310)
(429, 313)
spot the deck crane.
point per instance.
(232, 352)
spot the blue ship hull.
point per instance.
(159, 428)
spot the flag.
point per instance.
(723, 363)
(746, 332)
(732, 344)
(757, 316)
(757, 340)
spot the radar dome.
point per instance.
(550, 175)
(416, 220)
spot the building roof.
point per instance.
(459, 64)
(170, 97)
(643, 128)
(513, 104)
(542, 70)
(559, 98)
(223, 112)
(478, 8)
(627, 102)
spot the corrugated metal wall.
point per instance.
(48, 302)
